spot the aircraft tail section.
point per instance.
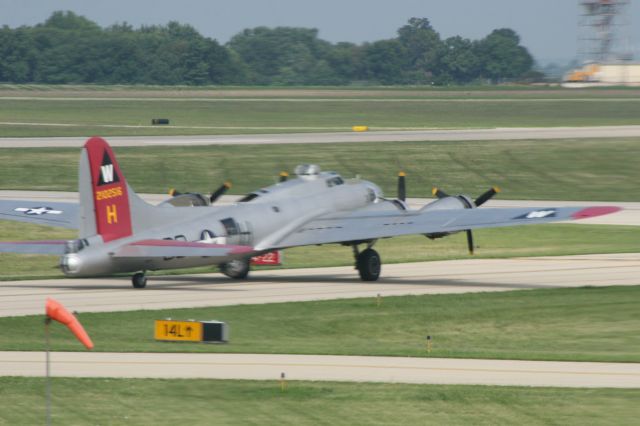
(104, 193)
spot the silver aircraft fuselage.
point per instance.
(260, 220)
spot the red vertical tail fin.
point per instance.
(110, 199)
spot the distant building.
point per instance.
(621, 74)
(604, 46)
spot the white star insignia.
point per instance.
(37, 211)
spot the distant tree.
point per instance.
(460, 63)
(68, 48)
(70, 21)
(18, 56)
(423, 49)
(283, 55)
(385, 61)
(502, 56)
(347, 61)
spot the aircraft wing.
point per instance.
(363, 226)
(63, 215)
(173, 248)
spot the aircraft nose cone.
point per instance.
(70, 264)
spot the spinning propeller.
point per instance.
(221, 190)
(402, 187)
(483, 198)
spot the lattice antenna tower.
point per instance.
(605, 31)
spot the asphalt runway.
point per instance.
(599, 132)
(324, 368)
(293, 285)
(630, 215)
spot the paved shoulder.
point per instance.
(294, 285)
(325, 368)
(600, 132)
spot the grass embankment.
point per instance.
(589, 169)
(184, 91)
(585, 324)
(84, 112)
(541, 240)
(205, 402)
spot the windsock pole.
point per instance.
(47, 340)
(55, 311)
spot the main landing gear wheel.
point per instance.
(139, 280)
(237, 269)
(369, 265)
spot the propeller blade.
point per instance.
(284, 176)
(438, 193)
(174, 192)
(486, 196)
(470, 241)
(402, 186)
(218, 192)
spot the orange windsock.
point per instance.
(56, 311)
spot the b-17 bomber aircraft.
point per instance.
(120, 233)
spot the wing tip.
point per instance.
(589, 212)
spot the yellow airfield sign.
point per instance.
(181, 331)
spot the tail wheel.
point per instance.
(237, 269)
(139, 280)
(369, 265)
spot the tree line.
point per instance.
(68, 48)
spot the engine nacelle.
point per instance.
(186, 200)
(448, 203)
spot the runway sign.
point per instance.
(191, 331)
(181, 331)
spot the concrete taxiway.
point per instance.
(457, 276)
(630, 215)
(325, 368)
(460, 276)
(515, 133)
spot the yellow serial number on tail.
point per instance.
(109, 193)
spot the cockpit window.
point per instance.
(334, 181)
(248, 198)
(230, 226)
(74, 246)
(371, 195)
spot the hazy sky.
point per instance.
(549, 28)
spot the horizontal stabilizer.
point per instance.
(64, 215)
(33, 247)
(173, 248)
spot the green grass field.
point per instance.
(588, 169)
(542, 240)
(584, 324)
(598, 324)
(82, 111)
(206, 402)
